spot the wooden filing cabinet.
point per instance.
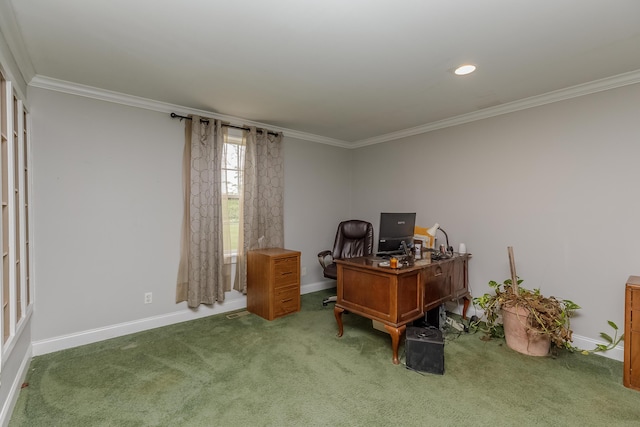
(631, 377)
(273, 282)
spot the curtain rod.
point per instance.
(177, 116)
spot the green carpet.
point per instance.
(295, 371)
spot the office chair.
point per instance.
(354, 238)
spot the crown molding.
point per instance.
(63, 86)
(620, 80)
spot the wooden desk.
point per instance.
(397, 296)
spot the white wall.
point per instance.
(558, 182)
(107, 200)
(317, 197)
(106, 196)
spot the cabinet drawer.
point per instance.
(634, 310)
(635, 299)
(286, 272)
(286, 300)
(437, 283)
(634, 324)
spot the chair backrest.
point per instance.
(354, 238)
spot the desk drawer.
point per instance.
(286, 272)
(286, 300)
(437, 283)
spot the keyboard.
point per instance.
(388, 254)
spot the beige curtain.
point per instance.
(202, 271)
(262, 209)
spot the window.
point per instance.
(16, 295)
(232, 164)
(6, 249)
(17, 196)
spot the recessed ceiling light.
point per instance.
(465, 69)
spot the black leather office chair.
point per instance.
(354, 238)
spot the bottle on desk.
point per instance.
(417, 248)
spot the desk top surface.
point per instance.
(275, 252)
(373, 262)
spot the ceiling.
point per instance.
(349, 71)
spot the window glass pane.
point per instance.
(231, 188)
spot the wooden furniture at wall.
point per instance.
(273, 282)
(631, 377)
(397, 296)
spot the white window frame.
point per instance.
(19, 249)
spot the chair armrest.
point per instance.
(323, 257)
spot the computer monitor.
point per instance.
(396, 228)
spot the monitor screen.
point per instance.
(394, 229)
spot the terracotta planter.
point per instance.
(518, 338)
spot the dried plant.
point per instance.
(548, 315)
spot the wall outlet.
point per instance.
(304, 271)
(148, 298)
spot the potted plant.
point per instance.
(530, 321)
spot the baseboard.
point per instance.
(586, 343)
(112, 331)
(90, 336)
(16, 386)
(579, 341)
(317, 286)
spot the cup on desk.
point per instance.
(462, 249)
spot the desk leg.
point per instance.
(465, 307)
(395, 333)
(337, 311)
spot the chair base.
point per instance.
(329, 299)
